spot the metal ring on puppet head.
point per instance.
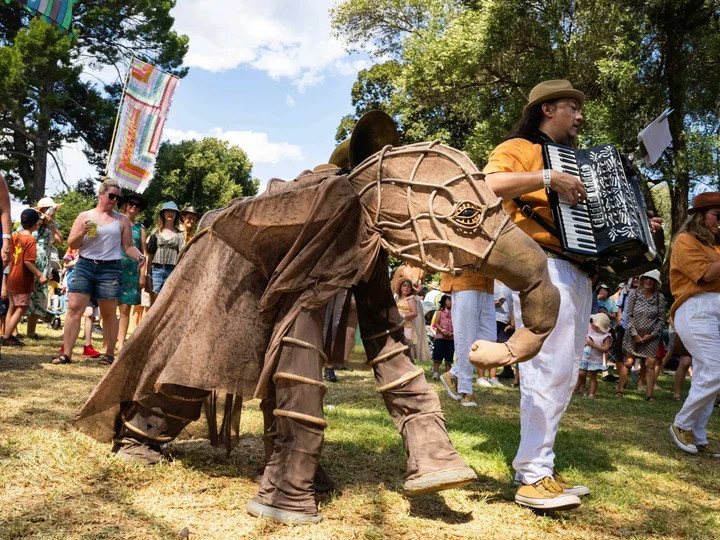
(374, 131)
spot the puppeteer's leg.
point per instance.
(156, 420)
(323, 482)
(432, 462)
(286, 491)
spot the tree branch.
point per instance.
(17, 129)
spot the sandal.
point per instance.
(649, 399)
(618, 394)
(61, 359)
(106, 360)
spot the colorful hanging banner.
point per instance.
(143, 110)
(55, 12)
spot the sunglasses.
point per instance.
(113, 196)
(134, 204)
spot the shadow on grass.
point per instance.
(433, 506)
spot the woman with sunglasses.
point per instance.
(133, 278)
(101, 235)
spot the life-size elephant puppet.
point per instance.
(244, 313)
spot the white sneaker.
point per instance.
(495, 382)
(482, 381)
(436, 376)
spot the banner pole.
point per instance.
(117, 116)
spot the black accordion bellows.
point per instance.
(612, 227)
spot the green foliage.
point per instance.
(74, 202)
(461, 72)
(44, 102)
(206, 174)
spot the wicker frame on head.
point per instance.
(466, 217)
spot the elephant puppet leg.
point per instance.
(518, 261)
(432, 462)
(286, 490)
(323, 482)
(156, 420)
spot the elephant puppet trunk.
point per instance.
(518, 261)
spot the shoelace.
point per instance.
(550, 485)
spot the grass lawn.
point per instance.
(57, 483)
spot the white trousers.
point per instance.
(697, 322)
(547, 381)
(473, 317)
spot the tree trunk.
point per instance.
(36, 189)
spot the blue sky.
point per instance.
(267, 76)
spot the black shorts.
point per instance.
(502, 335)
(443, 350)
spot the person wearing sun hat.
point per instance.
(597, 343)
(163, 246)
(46, 234)
(189, 217)
(695, 285)
(515, 170)
(645, 320)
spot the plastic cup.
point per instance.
(93, 231)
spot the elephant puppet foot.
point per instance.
(138, 452)
(279, 515)
(439, 481)
(488, 354)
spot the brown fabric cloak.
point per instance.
(216, 324)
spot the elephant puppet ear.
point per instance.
(372, 133)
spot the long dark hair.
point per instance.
(528, 127)
(444, 298)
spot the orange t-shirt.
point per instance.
(689, 262)
(467, 281)
(521, 155)
(20, 279)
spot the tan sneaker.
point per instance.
(710, 449)
(467, 400)
(450, 383)
(684, 439)
(546, 494)
(570, 488)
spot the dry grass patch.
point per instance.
(58, 483)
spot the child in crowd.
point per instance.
(597, 343)
(444, 348)
(23, 272)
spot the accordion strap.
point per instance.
(528, 212)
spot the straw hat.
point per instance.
(704, 201)
(602, 321)
(47, 202)
(399, 283)
(654, 274)
(550, 90)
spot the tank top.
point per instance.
(107, 243)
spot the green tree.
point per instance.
(206, 174)
(44, 101)
(462, 71)
(75, 201)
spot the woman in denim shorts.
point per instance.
(100, 235)
(163, 247)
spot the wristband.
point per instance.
(7, 236)
(546, 178)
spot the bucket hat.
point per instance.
(602, 321)
(654, 274)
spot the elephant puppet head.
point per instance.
(431, 205)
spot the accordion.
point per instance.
(610, 228)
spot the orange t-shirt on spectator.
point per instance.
(689, 262)
(20, 279)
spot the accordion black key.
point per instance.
(611, 228)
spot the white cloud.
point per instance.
(289, 101)
(282, 38)
(256, 145)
